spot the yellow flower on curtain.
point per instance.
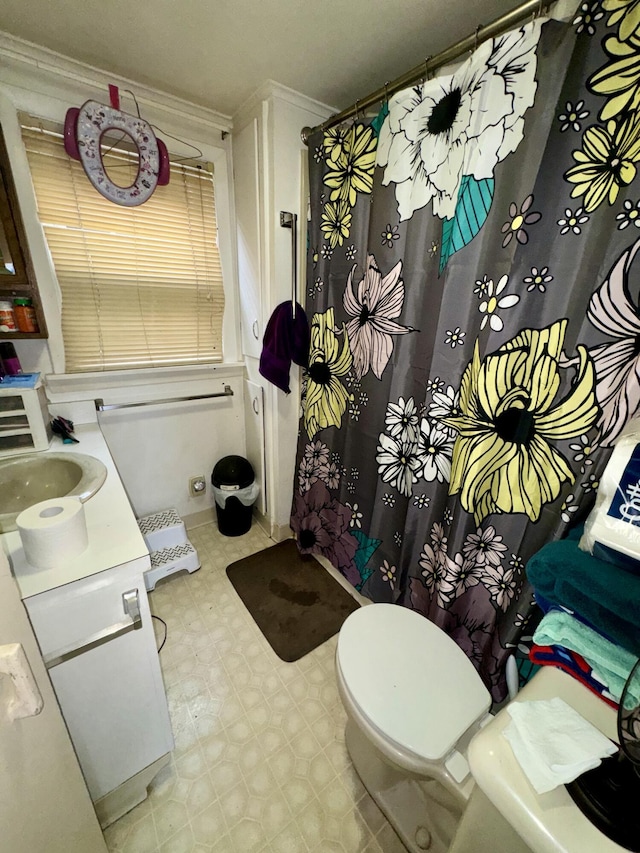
(618, 80)
(333, 141)
(624, 12)
(351, 168)
(336, 222)
(606, 161)
(503, 460)
(329, 360)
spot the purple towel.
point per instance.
(286, 339)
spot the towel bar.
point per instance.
(101, 406)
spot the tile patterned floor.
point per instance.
(260, 764)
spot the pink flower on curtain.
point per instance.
(321, 525)
(465, 573)
(374, 309)
(484, 547)
(617, 363)
(438, 577)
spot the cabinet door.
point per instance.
(254, 426)
(246, 169)
(111, 694)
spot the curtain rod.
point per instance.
(532, 8)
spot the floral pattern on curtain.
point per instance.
(473, 295)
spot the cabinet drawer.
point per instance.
(24, 420)
(13, 421)
(11, 403)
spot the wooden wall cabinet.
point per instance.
(15, 252)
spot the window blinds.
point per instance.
(142, 286)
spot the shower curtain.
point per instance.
(473, 297)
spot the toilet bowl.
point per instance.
(414, 701)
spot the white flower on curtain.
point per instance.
(445, 404)
(490, 306)
(455, 338)
(568, 508)
(459, 125)
(388, 574)
(401, 420)
(629, 215)
(583, 451)
(435, 448)
(398, 463)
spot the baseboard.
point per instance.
(280, 532)
(277, 532)
(198, 519)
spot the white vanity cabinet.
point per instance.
(91, 618)
(97, 641)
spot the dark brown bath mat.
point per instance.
(294, 601)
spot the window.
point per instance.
(142, 286)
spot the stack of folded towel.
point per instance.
(591, 626)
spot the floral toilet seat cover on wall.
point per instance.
(84, 129)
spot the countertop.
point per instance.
(114, 535)
(551, 822)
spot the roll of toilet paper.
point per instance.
(53, 531)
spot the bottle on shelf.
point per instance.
(25, 314)
(7, 316)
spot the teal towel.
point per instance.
(610, 663)
(604, 595)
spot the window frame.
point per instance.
(198, 132)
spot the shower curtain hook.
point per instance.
(426, 68)
(386, 92)
(475, 39)
(356, 108)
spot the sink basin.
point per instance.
(27, 480)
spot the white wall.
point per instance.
(156, 449)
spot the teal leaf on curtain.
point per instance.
(366, 549)
(378, 121)
(472, 209)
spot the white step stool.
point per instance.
(166, 538)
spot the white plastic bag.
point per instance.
(246, 496)
(612, 530)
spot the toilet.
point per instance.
(413, 701)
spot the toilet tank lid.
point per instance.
(410, 679)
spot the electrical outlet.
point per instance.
(197, 486)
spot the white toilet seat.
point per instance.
(411, 683)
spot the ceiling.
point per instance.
(216, 53)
